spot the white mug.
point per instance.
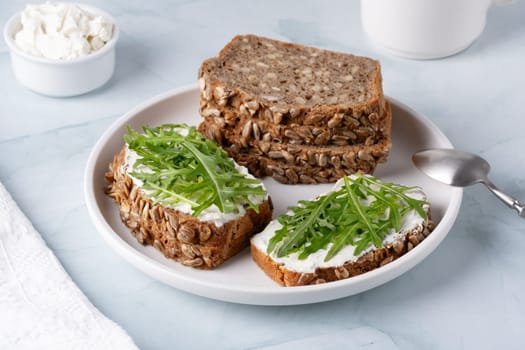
(424, 29)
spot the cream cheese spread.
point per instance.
(210, 214)
(61, 31)
(315, 260)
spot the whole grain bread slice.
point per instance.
(299, 163)
(367, 262)
(289, 83)
(177, 235)
(311, 164)
(366, 131)
(338, 128)
(248, 130)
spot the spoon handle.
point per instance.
(506, 198)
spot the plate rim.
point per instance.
(256, 296)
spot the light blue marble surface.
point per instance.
(470, 293)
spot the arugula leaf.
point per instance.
(362, 212)
(400, 191)
(342, 240)
(179, 165)
(296, 235)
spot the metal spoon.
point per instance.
(461, 169)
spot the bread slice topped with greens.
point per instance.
(362, 224)
(179, 192)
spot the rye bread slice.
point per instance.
(313, 164)
(366, 131)
(179, 236)
(367, 262)
(289, 83)
(299, 163)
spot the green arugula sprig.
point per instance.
(190, 169)
(361, 213)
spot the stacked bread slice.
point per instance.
(296, 113)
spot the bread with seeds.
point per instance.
(287, 83)
(161, 200)
(292, 163)
(260, 98)
(311, 164)
(327, 239)
(369, 130)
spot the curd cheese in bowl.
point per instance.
(61, 31)
(62, 49)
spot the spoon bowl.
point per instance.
(452, 167)
(461, 169)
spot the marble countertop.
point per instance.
(469, 293)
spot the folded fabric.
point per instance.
(40, 306)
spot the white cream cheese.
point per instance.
(315, 260)
(61, 31)
(210, 214)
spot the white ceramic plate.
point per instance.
(239, 279)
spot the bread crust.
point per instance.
(301, 163)
(367, 262)
(304, 172)
(239, 107)
(321, 131)
(180, 236)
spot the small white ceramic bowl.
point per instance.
(62, 78)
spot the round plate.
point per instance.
(239, 279)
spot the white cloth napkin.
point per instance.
(40, 306)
